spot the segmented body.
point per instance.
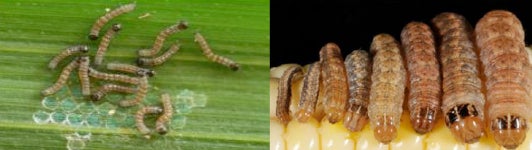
(159, 41)
(309, 92)
(76, 49)
(162, 120)
(358, 66)
(282, 111)
(334, 77)
(63, 77)
(97, 26)
(130, 69)
(160, 59)
(104, 43)
(112, 77)
(83, 73)
(207, 52)
(142, 90)
(104, 89)
(139, 118)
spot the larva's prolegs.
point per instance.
(63, 77)
(309, 93)
(334, 77)
(207, 52)
(159, 41)
(97, 26)
(104, 43)
(282, 111)
(67, 52)
(83, 73)
(358, 67)
(160, 124)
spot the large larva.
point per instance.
(334, 78)
(160, 59)
(500, 38)
(358, 67)
(83, 73)
(309, 92)
(63, 77)
(130, 69)
(103, 90)
(282, 110)
(104, 43)
(142, 90)
(424, 94)
(112, 77)
(462, 101)
(97, 26)
(387, 88)
(139, 118)
(160, 124)
(207, 52)
(67, 52)
(159, 41)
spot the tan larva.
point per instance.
(160, 59)
(112, 77)
(207, 52)
(139, 118)
(387, 87)
(334, 77)
(103, 90)
(285, 93)
(358, 67)
(160, 124)
(462, 101)
(76, 49)
(63, 77)
(159, 41)
(142, 90)
(97, 26)
(309, 93)
(424, 94)
(130, 69)
(83, 74)
(500, 38)
(104, 43)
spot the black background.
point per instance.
(300, 28)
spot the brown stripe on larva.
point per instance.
(139, 118)
(309, 92)
(76, 49)
(160, 59)
(104, 89)
(130, 69)
(423, 68)
(97, 26)
(207, 52)
(142, 90)
(63, 77)
(387, 87)
(104, 43)
(334, 77)
(358, 67)
(162, 120)
(159, 41)
(112, 77)
(285, 93)
(83, 74)
(462, 100)
(500, 38)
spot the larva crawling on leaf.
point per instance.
(97, 26)
(387, 87)
(63, 77)
(358, 66)
(207, 52)
(160, 124)
(104, 43)
(104, 89)
(142, 90)
(334, 77)
(159, 41)
(112, 77)
(309, 93)
(139, 119)
(130, 69)
(83, 74)
(424, 96)
(282, 110)
(76, 49)
(160, 59)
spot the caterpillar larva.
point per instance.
(63, 77)
(83, 73)
(160, 124)
(104, 89)
(159, 41)
(97, 26)
(285, 93)
(334, 78)
(462, 101)
(104, 43)
(142, 90)
(112, 77)
(130, 69)
(67, 52)
(423, 68)
(358, 67)
(500, 38)
(160, 59)
(139, 118)
(207, 52)
(309, 93)
(387, 87)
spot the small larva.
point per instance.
(334, 78)
(207, 52)
(83, 73)
(139, 118)
(358, 67)
(104, 43)
(130, 69)
(160, 124)
(282, 110)
(142, 90)
(67, 52)
(387, 88)
(159, 41)
(112, 77)
(97, 26)
(160, 59)
(63, 77)
(103, 90)
(309, 92)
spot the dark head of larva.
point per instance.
(96, 96)
(234, 67)
(150, 72)
(162, 130)
(141, 62)
(182, 25)
(117, 27)
(93, 37)
(84, 48)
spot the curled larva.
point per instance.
(387, 87)
(334, 77)
(207, 52)
(104, 43)
(309, 93)
(142, 90)
(159, 41)
(162, 120)
(83, 74)
(130, 69)
(63, 77)
(285, 93)
(104, 89)
(500, 38)
(67, 52)
(358, 67)
(462, 100)
(112, 77)
(139, 118)
(423, 68)
(160, 59)
(97, 26)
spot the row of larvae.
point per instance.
(462, 101)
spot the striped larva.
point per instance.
(309, 93)
(160, 124)
(63, 77)
(423, 68)
(104, 89)
(334, 79)
(358, 67)
(207, 52)
(104, 43)
(462, 100)
(159, 41)
(500, 38)
(160, 59)
(112, 77)
(67, 52)
(83, 74)
(97, 26)
(387, 87)
(142, 90)
(139, 118)
(130, 69)
(282, 110)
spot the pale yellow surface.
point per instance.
(276, 133)
(302, 136)
(335, 136)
